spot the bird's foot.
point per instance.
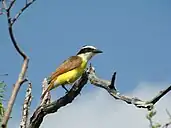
(63, 86)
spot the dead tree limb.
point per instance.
(21, 77)
(26, 106)
(47, 97)
(45, 109)
(110, 87)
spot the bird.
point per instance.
(71, 69)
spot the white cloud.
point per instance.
(99, 110)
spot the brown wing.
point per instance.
(67, 65)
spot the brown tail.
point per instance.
(47, 90)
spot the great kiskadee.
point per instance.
(71, 69)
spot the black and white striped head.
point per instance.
(87, 52)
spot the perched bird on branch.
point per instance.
(71, 69)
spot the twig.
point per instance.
(11, 4)
(43, 110)
(21, 77)
(4, 74)
(107, 85)
(150, 116)
(47, 97)
(21, 11)
(26, 106)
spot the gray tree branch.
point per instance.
(111, 89)
(45, 109)
(26, 106)
(21, 77)
(47, 97)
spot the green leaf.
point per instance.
(152, 113)
(2, 90)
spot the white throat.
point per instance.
(86, 56)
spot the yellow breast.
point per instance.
(70, 76)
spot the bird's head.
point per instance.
(87, 52)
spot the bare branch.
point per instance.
(14, 93)
(43, 110)
(10, 29)
(4, 74)
(160, 95)
(14, 41)
(105, 84)
(21, 77)
(11, 4)
(26, 106)
(47, 97)
(22, 10)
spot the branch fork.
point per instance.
(52, 107)
(109, 86)
(21, 78)
(47, 107)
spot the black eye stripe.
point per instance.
(85, 50)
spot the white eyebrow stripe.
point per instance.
(88, 46)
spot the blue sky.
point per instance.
(135, 36)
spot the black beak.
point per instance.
(97, 51)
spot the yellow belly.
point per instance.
(70, 76)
